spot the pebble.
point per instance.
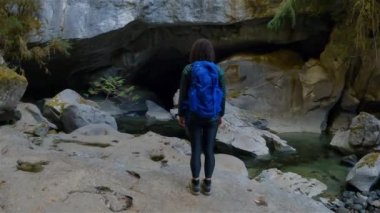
(373, 195)
(375, 203)
(358, 207)
(358, 202)
(348, 194)
(342, 210)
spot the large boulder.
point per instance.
(362, 137)
(54, 107)
(156, 113)
(292, 95)
(12, 88)
(79, 115)
(364, 131)
(340, 142)
(365, 173)
(70, 111)
(239, 133)
(292, 182)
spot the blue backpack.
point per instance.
(205, 94)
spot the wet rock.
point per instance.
(349, 160)
(241, 135)
(156, 113)
(365, 173)
(332, 204)
(362, 137)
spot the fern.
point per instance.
(112, 86)
(364, 15)
(286, 12)
(366, 19)
(108, 86)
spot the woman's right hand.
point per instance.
(220, 121)
(181, 121)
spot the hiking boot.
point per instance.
(206, 187)
(195, 187)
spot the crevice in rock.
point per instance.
(350, 77)
(114, 201)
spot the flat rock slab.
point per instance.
(125, 177)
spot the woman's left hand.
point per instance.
(181, 121)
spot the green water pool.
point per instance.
(313, 159)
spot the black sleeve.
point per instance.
(184, 86)
(223, 86)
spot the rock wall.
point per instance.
(88, 18)
(292, 95)
(150, 40)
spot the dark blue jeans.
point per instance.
(202, 133)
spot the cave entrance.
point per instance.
(162, 74)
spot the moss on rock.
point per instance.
(369, 160)
(12, 88)
(56, 103)
(31, 167)
(7, 74)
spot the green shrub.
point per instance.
(112, 86)
(18, 21)
(362, 15)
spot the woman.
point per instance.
(201, 126)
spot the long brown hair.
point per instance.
(202, 50)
